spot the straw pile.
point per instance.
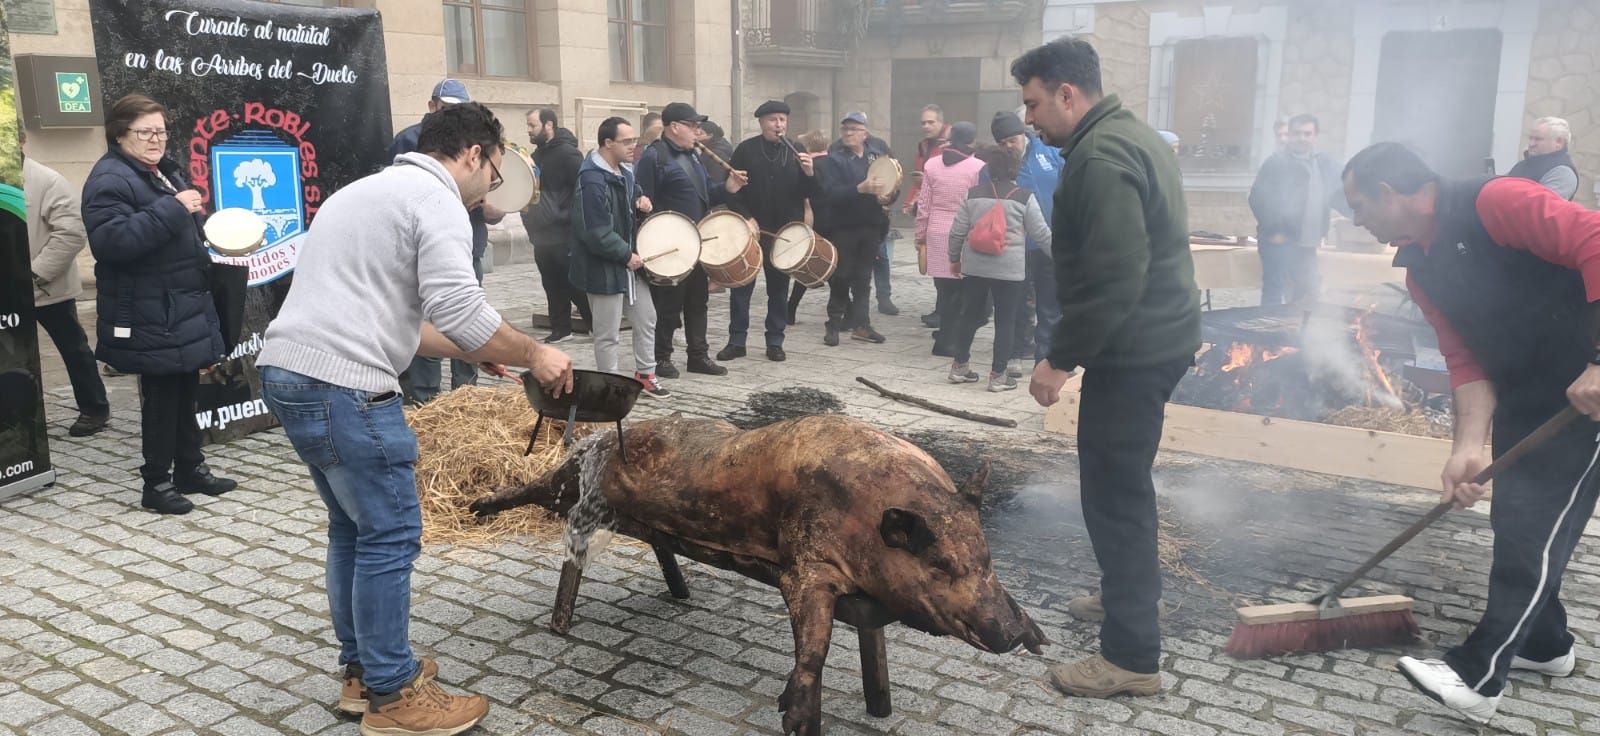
(469, 443)
(1404, 421)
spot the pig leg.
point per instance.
(810, 593)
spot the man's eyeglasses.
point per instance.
(495, 180)
(148, 135)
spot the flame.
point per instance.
(1371, 354)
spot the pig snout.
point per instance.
(1004, 626)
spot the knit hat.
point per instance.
(1005, 125)
(963, 134)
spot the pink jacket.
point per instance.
(944, 188)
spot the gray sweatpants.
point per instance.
(608, 310)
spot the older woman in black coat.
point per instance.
(156, 315)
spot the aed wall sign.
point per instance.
(72, 92)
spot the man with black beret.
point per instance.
(780, 180)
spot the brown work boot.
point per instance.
(422, 708)
(353, 694)
(1096, 678)
(1089, 608)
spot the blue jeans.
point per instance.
(880, 269)
(362, 458)
(777, 309)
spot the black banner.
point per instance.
(24, 451)
(273, 107)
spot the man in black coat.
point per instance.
(671, 175)
(781, 178)
(1290, 200)
(549, 221)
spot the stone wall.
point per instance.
(1564, 80)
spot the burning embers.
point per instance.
(1335, 364)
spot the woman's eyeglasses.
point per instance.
(148, 135)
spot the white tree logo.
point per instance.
(256, 175)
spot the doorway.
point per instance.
(952, 84)
(1432, 96)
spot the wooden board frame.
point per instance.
(1386, 457)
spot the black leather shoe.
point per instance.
(163, 498)
(665, 368)
(831, 337)
(731, 352)
(776, 354)
(704, 365)
(887, 307)
(931, 320)
(88, 424)
(202, 481)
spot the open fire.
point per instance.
(1338, 365)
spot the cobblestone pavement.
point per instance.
(117, 621)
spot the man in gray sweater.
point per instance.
(385, 273)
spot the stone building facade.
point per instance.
(1348, 64)
(1220, 72)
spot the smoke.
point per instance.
(1335, 360)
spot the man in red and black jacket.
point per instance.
(1507, 273)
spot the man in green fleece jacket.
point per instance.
(1130, 318)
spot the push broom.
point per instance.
(1326, 622)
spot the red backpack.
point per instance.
(988, 234)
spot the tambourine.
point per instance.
(235, 231)
(519, 186)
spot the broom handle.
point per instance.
(1538, 437)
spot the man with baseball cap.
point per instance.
(857, 223)
(422, 381)
(671, 175)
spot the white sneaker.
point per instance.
(1559, 667)
(1437, 680)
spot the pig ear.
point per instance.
(906, 530)
(973, 490)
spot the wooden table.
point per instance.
(1239, 267)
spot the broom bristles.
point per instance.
(1359, 631)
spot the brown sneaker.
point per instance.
(1096, 678)
(1089, 608)
(422, 709)
(353, 694)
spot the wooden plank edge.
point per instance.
(1286, 612)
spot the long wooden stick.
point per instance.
(705, 149)
(930, 406)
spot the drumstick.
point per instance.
(662, 254)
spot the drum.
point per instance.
(730, 249)
(887, 171)
(235, 231)
(669, 245)
(806, 256)
(518, 185)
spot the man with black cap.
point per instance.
(780, 180)
(671, 175)
(857, 222)
(422, 381)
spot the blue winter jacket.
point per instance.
(156, 314)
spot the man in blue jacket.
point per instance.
(1040, 172)
(422, 381)
(671, 175)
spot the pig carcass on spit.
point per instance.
(820, 506)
